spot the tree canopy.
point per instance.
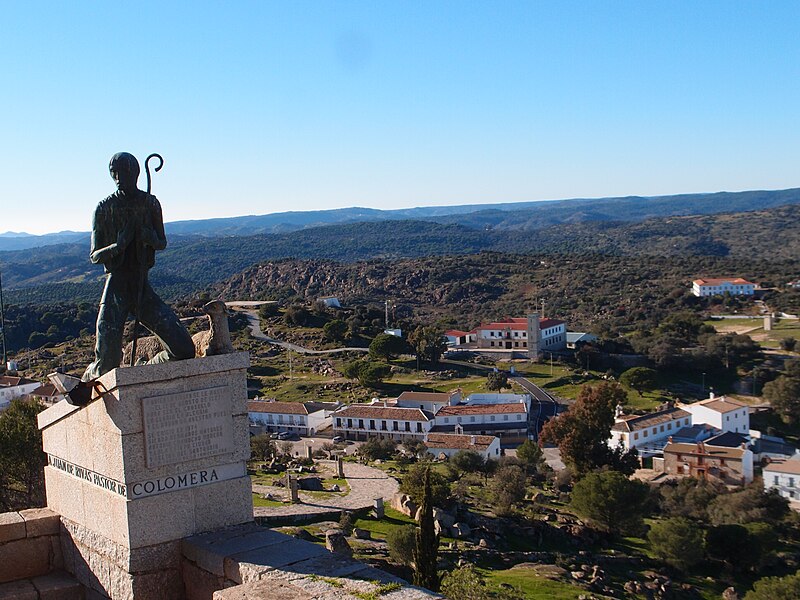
(582, 433)
(611, 501)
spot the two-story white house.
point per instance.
(302, 418)
(648, 433)
(488, 446)
(362, 421)
(14, 387)
(784, 477)
(717, 286)
(509, 422)
(725, 414)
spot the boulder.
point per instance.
(312, 484)
(461, 530)
(362, 534)
(730, 593)
(335, 488)
(336, 542)
(446, 520)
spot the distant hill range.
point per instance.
(193, 262)
(512, 216)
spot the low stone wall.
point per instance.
(29, 544)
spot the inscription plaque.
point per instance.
(187, 426)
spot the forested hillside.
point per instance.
(595, 292)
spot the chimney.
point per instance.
(711, 394)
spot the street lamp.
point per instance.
(704, 383)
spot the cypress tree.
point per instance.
(427, 543)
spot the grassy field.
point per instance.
(533, 586)
(785, 328)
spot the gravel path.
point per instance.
(366, 484)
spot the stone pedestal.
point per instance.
(159, 455)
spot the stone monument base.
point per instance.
(159, 455)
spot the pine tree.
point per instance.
(425, 553)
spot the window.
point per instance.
(447, 419)
(338, 422)
(505, 417)
(383, 426)
(361, 423)
(408, 426)
(491, 418)
(662, 429)
(636, 436)
(519, 417)
(791, 481)
(349, 422)
(394, 426)
(419, 427)
(644, 433)
(775, 480)
(472, 419)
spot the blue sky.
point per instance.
(261, 107)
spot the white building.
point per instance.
(449, 444)
(302, 418)
(720, 412)
(509, 422)
(648, 433)
(531, 335)
(362, 421)
(783, 476)
(500, 399)
(429, 401)
(714, 287)
(14, 387)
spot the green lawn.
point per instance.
(259, 501)
(533, 586)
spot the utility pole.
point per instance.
(3, 322)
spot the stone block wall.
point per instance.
(29, 544)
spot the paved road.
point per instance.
(543, 405)
(254, 324)
(366, 484)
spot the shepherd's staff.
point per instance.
(142, 267)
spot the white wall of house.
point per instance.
(717, 288)
(500, 399)
(392, 428)
(493, 451)
(737, 421)
(302, 424)
(486, 419)
(648, 435)
(786, 484)
(7, 394)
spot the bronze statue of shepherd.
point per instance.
(127, 230)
